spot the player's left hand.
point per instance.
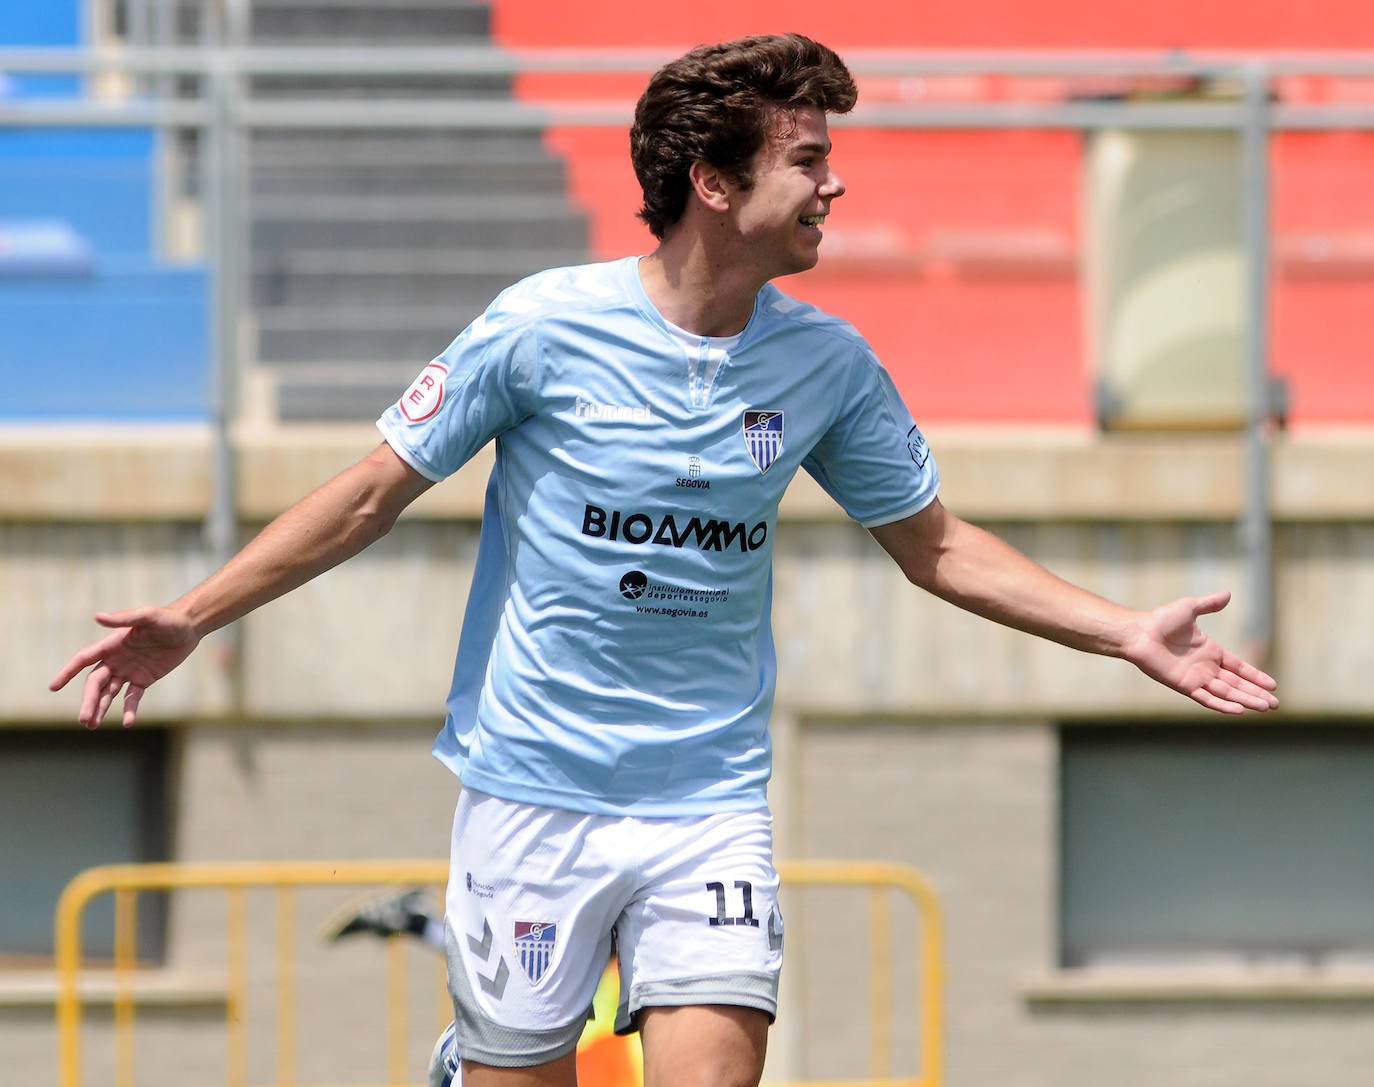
(1172, 649)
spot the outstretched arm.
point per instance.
(980, 573)
(332, 523)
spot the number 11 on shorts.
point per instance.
(722, 917)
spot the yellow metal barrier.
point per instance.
(126, 882)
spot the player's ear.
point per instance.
(711, 185)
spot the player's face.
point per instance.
(781, 216)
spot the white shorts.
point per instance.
(538, 898)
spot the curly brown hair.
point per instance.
(715, 105)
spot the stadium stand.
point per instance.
(957, 252)
(372, 249)
(94, 322)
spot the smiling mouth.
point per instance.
(813, 220)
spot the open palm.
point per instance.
(1173, 650)
(145, 644)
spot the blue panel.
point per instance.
(107, 202)
(46, 23)
(80, 143)
(95, 329)
(125, 344)
(39, 85)
(42, 247)
(40, 22)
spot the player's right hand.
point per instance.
(145, 644)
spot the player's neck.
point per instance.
(701, 295)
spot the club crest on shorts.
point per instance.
(763, 436)
(534, 944)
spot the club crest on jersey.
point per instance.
(534, 944)
(425, 395)
(763, 436)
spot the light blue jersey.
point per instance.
(616, 656)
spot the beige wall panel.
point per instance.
(854, 636)
(343, 685)
(336, 792)
(54, 578)
(974, 808)
(28, 1042)
(374, 637)
(1325, 642)
(971, 807)
(268, 792)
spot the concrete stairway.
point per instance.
(372, 249)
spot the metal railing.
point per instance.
(226, 110)
(880, 882)
(126, 882)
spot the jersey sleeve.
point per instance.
(873, 459)
(482, 385)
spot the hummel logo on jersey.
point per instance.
(589, 409)
(763, 436)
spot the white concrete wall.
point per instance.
(907, 731)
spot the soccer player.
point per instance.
(610, 699)
(604, 1059)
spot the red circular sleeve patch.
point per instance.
(426, 393)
